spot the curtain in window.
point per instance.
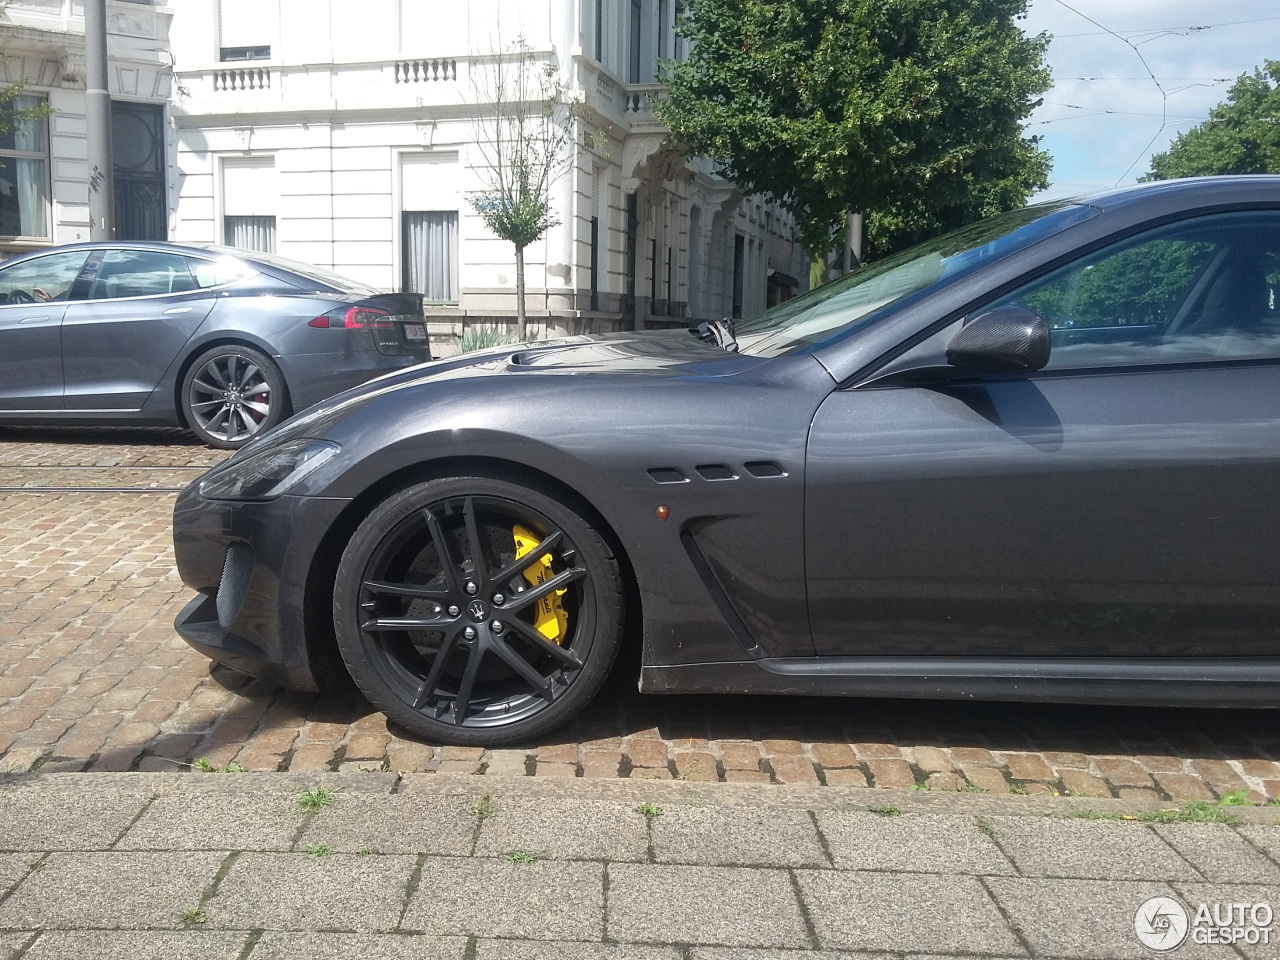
(431, 254)
(250, 233)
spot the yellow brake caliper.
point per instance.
(551, 619)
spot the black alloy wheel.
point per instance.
(437, 618)
(231, 394)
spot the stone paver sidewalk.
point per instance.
(379, 866)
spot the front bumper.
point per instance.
(249, 563)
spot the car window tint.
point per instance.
(45, 278)
(1204, 289)
(141, 273)
(220, 272)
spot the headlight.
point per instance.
(266, 475)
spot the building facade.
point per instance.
(44, 174)
(344, 133)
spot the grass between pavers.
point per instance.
(312, 801)
(1193, 811)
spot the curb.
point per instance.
(621, 791)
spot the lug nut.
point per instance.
(499, 599)
(471, 588)
(453, 611)
(497, 626)
(469, 633)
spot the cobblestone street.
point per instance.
(93, 677)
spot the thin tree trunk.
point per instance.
(522, 321)
(817, 270)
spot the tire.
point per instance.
(454, 671)
(231, 394)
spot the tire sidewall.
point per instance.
(605, 583)
(275, 379)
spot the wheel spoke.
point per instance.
(206, 387)
(442, 551)
(406, 590)
(250, 424)
(249, 371)
(428, 688)
(259, 408)
(207, 403)
(566, 657)
(211, 368)
(479, 566)
(520, 665)
(517, 567)
(386, 624)
(534, 594)
(468, 682)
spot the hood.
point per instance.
(662, 354)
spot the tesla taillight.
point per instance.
(354, 318)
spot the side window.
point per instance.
(1198, 290)
(141, 273)
(45, 278)
(218, 273)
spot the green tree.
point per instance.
(525, 139)
(1242, 134)
(908, 110)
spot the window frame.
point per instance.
(45, 158)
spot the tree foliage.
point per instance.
(909, 110)
(1242, 134)
(524, 138)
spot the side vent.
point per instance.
(667, 475)
(715, 471)
(237, 569)
(764, 469)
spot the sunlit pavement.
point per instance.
(93, 677)
(379, 866)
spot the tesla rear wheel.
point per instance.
(231, 394)
(476, 611)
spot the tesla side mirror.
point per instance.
(1008, 338)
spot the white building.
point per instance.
(343, 133)
(44, 176)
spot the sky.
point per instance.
(1105, 116)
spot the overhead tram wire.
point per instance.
(1164, 96)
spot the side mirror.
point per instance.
(1008, 338)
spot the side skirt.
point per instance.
(1216, 682)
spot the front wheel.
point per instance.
(231, 393)
(475, 611)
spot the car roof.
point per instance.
(1193, 190)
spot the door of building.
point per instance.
(137, 140)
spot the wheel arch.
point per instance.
(322, 645)
(195, 350)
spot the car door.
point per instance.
(33, 298)
(1120, 502)
(142, 307)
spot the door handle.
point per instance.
(178, 310)
(33, 319)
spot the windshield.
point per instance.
(839, 305)
(307, 271)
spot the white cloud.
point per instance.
(1096, 128)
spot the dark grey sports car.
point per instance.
(1034, 459)
(225, 342)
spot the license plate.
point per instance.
(415, 331)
